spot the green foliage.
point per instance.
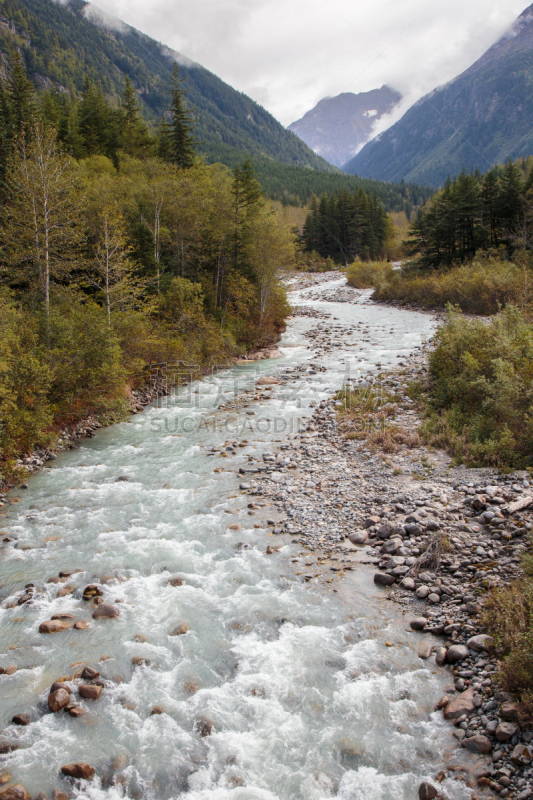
(481, 389)
(480, 287)
(363, 274)
(181, 145)
(508, 617)
(345, 227)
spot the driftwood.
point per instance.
(430, 558)
(519, 505)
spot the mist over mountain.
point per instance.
(338, 127)
(482, 117)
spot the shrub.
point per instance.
(481, 389)
(364, 274)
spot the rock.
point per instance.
(409, 584)
(370, 521)
(422, 592)
(75, 711)
(58, 699)
(506, 731)
(90, 691)
(433, 598)
(105, 611)
(81, 770)
(478, 744)
(382, 579)
(472, 608)
(440, 656)
(462, 704)
(54, 626)
(385, 531)
(480, 642)
(157, 710)
(62, 616)
(521, 755)
(266, 381)
(58, 795)
(204, 727)
(424, 650)
(510, 711)
(89, 674)
(81, 625)
(175, 582)
(418, 624)
(180, 630)
(59, 685)
(91, 591)
(432, 525)
(426, 791)
(7, 747)
(21, 719)
(413, 530)
(359, 537)
(15, 792)
(457, 652)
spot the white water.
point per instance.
(267, 659)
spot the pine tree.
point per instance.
(181, 144)
(248, 199)
(135, 133)
(21, 95)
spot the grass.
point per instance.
(364, 274)
(368, 414)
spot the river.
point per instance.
(267, 666)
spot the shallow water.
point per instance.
(268, 660)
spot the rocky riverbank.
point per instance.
(438, 537)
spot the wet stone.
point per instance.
(79, 770)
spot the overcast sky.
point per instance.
(289, 54)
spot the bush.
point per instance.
(481, 389)
(364, 274)
(508, 617)
(481, 287)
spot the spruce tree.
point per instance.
(135, 133)
(181, 144)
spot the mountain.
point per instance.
(337, 127)
(65, 42)
(482, 117)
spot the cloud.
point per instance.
(289, 54)
(103, 19)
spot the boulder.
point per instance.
(105, 611)
(359, 537)
(409, 584)
(21, 719)
(480, 642)
(386, 530)
(54, 626)
(382, 579)
(461, 704)
(15, 792)
(433, 598)
(370, 521)
(268, 381)
(426, 791)
(157, 710)
(180, 630)
(424, 650)
(521, 755)
(81, 625)
(457, 652)
(510, 711)
(472, 608)
(90, 691)
(58, 699)
(506, 731)
(478, 744)
(90, 674)
(422, 592)
(81, 770)
(418, 624)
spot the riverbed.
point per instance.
(226, 674)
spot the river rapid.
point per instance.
(300, 695)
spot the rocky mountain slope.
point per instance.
(482, 117)
(337, 127)
(64, 43)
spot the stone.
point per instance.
(58, 699)
(424, 650)
(80, 770)
(461, 704)
(75, 711)
(54, 626)
(386, 530)
(90, 691)
(412, 530)
(370, 521)
(506, 731)
(480, 642)
(382, 579)
(157, 710)
(426, 791)
(91, 591)
(63, 616)
(90, 674)
(21, 719)
(477, 744)
(510, 711)
(81, 625)
(180, 630)
(7, 747)
(105, 611)
(433, 598)
(268, 381)
(359, 537)
(204, 727)
(422, 592)
(418, 624)
(175, 582)
(15, 792)
(440, 656)
(457, 652)
(432, 525)
(409, 584)
(57, 794)
(521, 755)
(59, 685)
(472, 608)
